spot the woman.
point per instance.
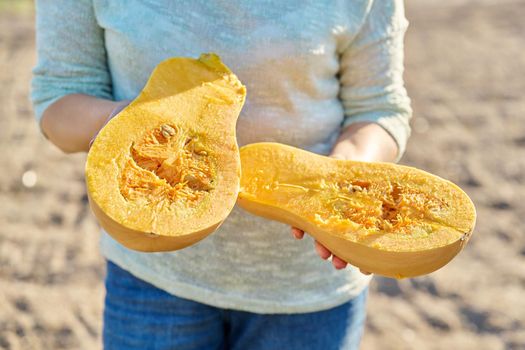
(321, 75)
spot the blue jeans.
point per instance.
(138, 315)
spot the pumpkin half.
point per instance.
(388, 219)
(165, 172)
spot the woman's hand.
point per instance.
(364, 141)
(74, 120)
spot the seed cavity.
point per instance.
(379, 207)
(168, 165)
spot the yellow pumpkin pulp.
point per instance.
(165, 172)
(385, 218)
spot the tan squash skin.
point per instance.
(164, 173)
(151, 243)
(386, 253)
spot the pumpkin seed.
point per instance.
(167, 131)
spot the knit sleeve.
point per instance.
(372, 87)
(71, 56)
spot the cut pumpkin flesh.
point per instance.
(165, 172)
(385, 218)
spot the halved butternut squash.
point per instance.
(165, 172)
(388, 219)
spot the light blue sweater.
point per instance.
(310, 67)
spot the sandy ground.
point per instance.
(465, 73)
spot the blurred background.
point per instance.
(465, 73)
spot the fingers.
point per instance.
(297, 233)
(338, 263)
(322, 251)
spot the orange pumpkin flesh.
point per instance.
(164, 173)
(388, 219)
